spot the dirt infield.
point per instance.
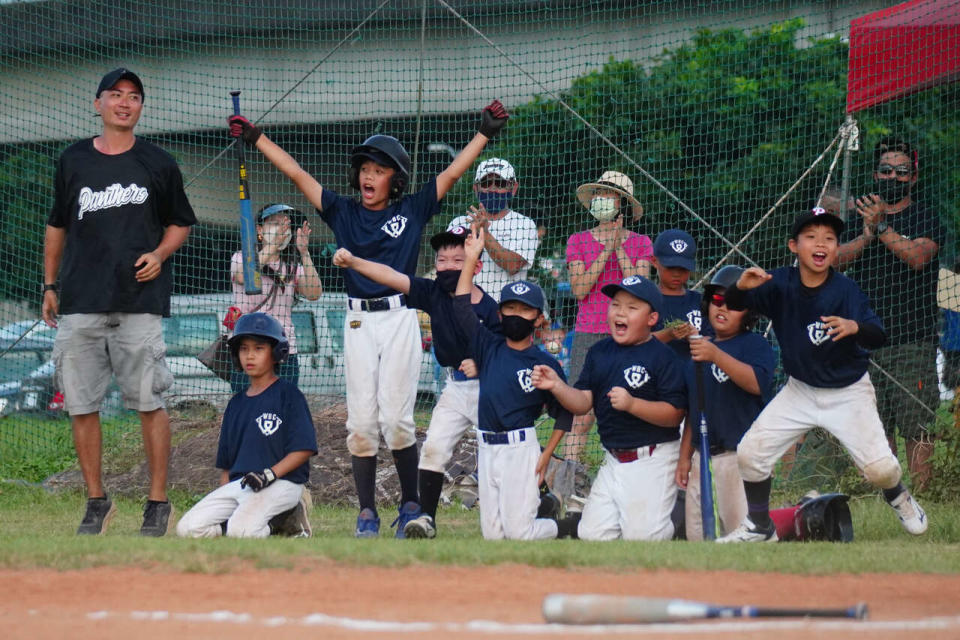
(326, 600)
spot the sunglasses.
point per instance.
(902, 170)
(718, 299)
(495, 184)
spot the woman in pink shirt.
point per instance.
(287, 271)
(603, 255)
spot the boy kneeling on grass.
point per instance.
(266, 439)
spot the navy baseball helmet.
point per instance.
(386, 151)
(638, 287)
(115, 76)
(528, 293)
(261, 325)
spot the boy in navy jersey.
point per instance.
(824, 324)
(456, 409)
(382, 347)
(510, 464)
(266, 440)
(634, 383)
(674, 256)
(738, 381)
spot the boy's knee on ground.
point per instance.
(361, 445)
(884, 473)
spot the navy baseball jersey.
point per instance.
(450, 342)
(259, 431)
(650, 371)
(730, 410)
(508, 399)
(390, 237)
(687, 309)
(114, 209)
(808, 353)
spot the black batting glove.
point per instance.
(492, 119)
(258, 480)
(241, 127)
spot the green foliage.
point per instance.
(946, 453)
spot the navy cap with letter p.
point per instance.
(818, 215)
(676, 248)
(112, 78)
(639, 287)
(526, 292)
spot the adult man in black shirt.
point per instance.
(119, 213)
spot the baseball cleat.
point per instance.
(407, 511)
(749, 532)
(422, 527)
(569, 525)
(156, 518)
(98, 515)
(912, 516)
(549, 506)
(368, 524)
(295, 522)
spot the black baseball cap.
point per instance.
(454, 235)
(818, 215)
(640, 288)
(528, 293)
(111, 79)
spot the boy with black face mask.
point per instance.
(894, 259)
(511, 464)
(456, 409)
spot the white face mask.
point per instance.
(272, 237)
(604, 208)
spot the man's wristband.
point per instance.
(49, 287)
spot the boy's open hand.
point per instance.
(473, 243)
(839, 328)
(343, 258)
(544, 378)
(752, 278)
(620, 398)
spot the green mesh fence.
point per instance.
(728, 116)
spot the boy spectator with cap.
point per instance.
(511, 239)
(119, 213)
(674, 257)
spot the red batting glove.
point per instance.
(492, 119)
(240, 126)
(230, 320)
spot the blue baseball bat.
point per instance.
(248, 230)
(706, 480)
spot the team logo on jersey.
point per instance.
(394, 226)
(694, 318)
(678, 245)
(719, 374)
(113, 196)
(523, 377)
(269, 423)
(636, 376)
(817, 332)
(630, 280)
(520, 288)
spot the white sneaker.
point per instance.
(912, 517)
(420, 527)
(749, 532)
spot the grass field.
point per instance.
(38, 532)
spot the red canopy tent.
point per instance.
(903, 49)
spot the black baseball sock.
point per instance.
(431, 485)
(407, 461)
(758, 502)
(891, 494)
(365, 477)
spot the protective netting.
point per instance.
(729, 118)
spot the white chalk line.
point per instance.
(491, 626)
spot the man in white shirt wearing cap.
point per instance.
(510, 238)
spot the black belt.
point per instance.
(500, 437)
(377, 304)
(717, 449)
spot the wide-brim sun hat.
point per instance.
(610, 181)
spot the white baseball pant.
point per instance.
(382, 354)
(849, 413)
(633, 500)
(731, 500)
(509, 495)
(246, 512)
(454, 414)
